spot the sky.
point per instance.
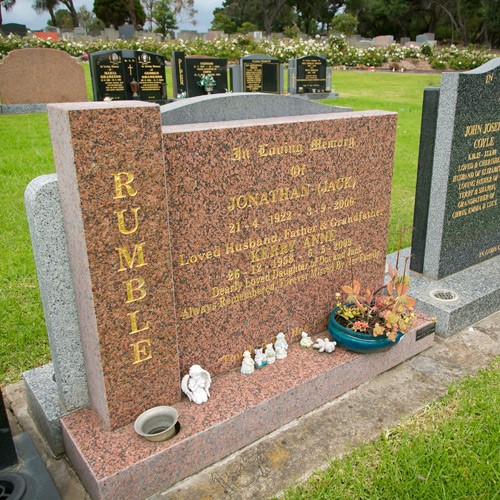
(23, 13)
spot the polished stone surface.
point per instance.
(240, 106)
(110, 169)
(269, 215)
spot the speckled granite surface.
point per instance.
(241, 409)
(258, 227)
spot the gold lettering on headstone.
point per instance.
(133, 323)
(133, 286)
(121, 183)
(121, 221)
(142, 351)
(126, 260)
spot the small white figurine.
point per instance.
(324, 345)
(196, 385)
(247, 365)
(281, 346)
(270, 354)
(306, 341)
(260, 358)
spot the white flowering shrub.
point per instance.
(336, 50)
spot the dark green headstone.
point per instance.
(463, 226)
(424, 177)
(260, 73)
(114, 74)
(188, 71)
(307, 75)
(8, 455)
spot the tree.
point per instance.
(222, 22)
(88, 20)
(49, 6)
(117, 12)
(184, 10)
(268, 15)
(164, 17)
(7, 5)
(345, 23)
(63, 20)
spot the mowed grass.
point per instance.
(402, 93)
(450, 450)
(26, 153)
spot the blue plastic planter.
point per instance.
(356, 341)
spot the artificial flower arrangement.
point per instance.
(386, 311)
(206, 81)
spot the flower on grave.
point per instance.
(386, 311)
(206, 81)
(182, 95)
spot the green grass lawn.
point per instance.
(451, 450)
(27, 153)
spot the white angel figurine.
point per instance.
(306, 341)
(247, 365)
(196, 385)
(281, 346)
(324, 345)
(270, 354)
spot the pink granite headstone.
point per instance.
(192, 244)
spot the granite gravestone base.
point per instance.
(456, 241)
(242, 409)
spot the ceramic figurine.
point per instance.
(324, 345)
(247, 365)
(281, 346)
(270, 354)
(260, 358)
(196, 385)
(306, 341)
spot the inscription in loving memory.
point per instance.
(275, 236)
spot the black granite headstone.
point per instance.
(307, 74)
(14, 29)
(8, 455)
(128, 75)
(463, 226)
(260, 73)
(188, 71)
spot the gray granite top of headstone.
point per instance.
(239, 106)
(464, 228)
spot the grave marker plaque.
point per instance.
(128, 75)
(307, 75)
(187, 72)
(260, 73)
(462, 227)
